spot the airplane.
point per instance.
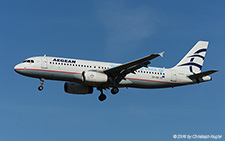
(82, 76)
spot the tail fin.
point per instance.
(194, 59)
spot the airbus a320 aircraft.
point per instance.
(82, 75)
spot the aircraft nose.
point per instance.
(17, 68)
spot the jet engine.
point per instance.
(75, 88)
(94, 76)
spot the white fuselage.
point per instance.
(64, 69)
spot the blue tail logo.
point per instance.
(192, 63)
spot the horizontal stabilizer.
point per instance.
(202, 74)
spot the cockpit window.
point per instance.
(28, 61)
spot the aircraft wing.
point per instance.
(119, 72)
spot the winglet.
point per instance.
(161, 54)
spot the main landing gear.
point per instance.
(114, 90)
(102, 96)
(40, 88)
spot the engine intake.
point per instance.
(75, 88)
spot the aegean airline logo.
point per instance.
(64, 60)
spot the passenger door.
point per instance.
(173, 76)
(44, 62)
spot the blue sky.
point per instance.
(112, 31)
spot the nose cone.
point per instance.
(18, 68)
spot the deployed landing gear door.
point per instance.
(173, 76)
(44, 63)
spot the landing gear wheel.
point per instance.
(102, 97)
(114, 90)
(40, 88)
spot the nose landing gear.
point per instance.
(40, 88)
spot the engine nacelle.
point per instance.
(93, 76)
(75, 88)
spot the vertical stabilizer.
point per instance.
(194, 59)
